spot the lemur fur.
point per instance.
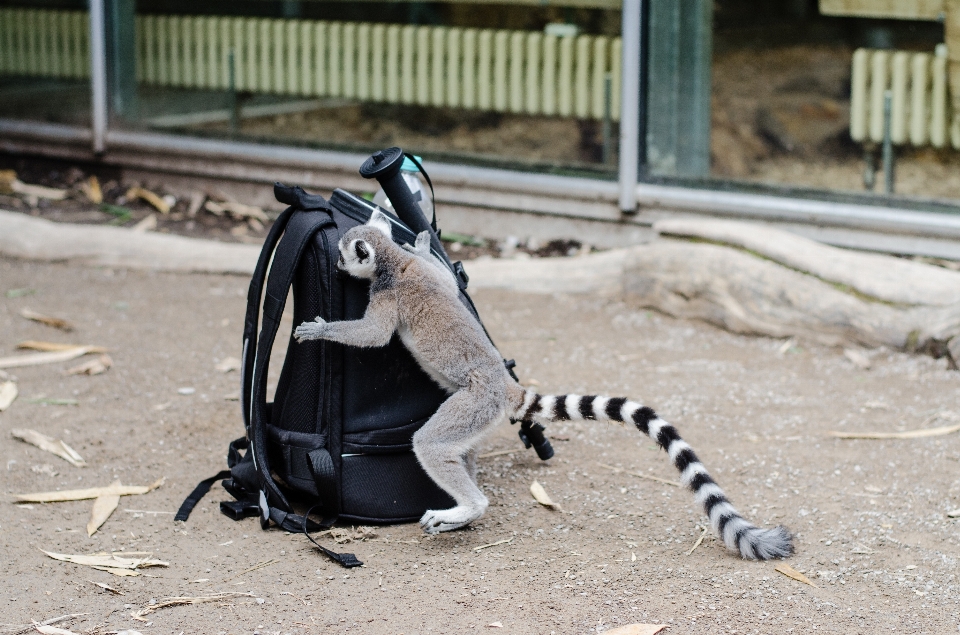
(414, 295)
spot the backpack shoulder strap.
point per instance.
(297, 199)
(300, 228)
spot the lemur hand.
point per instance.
(422, 247)
(310, 330)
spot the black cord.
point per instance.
(347, 560)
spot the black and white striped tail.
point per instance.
(737, 533)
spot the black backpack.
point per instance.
(337, 438)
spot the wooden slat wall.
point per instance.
(919, 98)
(507, 71)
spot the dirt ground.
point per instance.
(870, 516)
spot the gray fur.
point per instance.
(415, 295)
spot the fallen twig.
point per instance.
(185, 600)
(260, 565)
(487, 455)
(505, 541)
(697, 543)
(52, 357)
(641, 475)
(909, 434)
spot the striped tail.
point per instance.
(737, 533)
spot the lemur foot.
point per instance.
(310, 330)
(438, 520)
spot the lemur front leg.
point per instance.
(373, 330)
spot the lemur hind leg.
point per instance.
(444, 447)
(470, 461)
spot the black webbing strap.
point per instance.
(328, 487)
(251, 321)
(300, 229)
(347, 560)
(198, 493)
(298, 200)
(433, 198)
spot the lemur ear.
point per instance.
(360, 247)
(379, 221)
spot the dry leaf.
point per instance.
(115, 563)
(641, 475)
(52, 357)
(46, 629)
(40, 345)
(790, 572)
(196, 202)
(103, 506)
(92, 190)
(859, 359)
(57, 323)
(19, 629)
(95, 366)
(637, 629)
(149, 197)
(85, 494)
(149, 223)
(180, 601)
(542, 497)
(10, 184)
(237, 209)
(909, 434)
(8, 392)
(49, 444)
(228, 364)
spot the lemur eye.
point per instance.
(361, 248)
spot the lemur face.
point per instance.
(357, 257)
(357, 253)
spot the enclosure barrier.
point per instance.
(920, 100)
(527, 72)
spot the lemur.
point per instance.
(414, 295)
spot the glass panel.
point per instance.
(799, 90)
(521, 85)
(45, 62)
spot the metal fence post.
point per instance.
(98, 76)
(630, 100)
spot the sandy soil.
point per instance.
(870, 516)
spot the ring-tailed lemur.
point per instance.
(415, 296)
